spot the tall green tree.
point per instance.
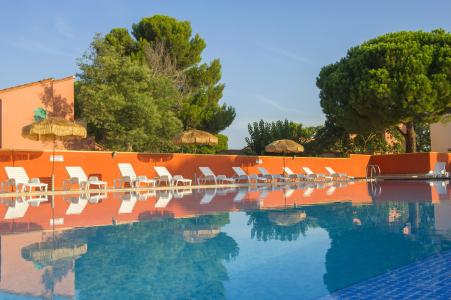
(398, 78)
(126, 106)
(201, 109)
(331, 138)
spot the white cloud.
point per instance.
(37, 47)
(287, 54)
(276, 105)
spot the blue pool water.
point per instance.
(359, 241)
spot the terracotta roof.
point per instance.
(34, 83)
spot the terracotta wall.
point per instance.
(19, 103)
(441, 137)
(19, 276)
(102, 164)
(410, 163)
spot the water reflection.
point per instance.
(166, 259)
(283, 225)
(187, 243)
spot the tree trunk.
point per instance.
(411, 138)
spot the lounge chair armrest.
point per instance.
(126, 179)
(177, 177)
(164, 177)
(34, 180)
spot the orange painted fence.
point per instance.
(104, 164)
(410, 163)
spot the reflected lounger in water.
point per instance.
(208, 196)
(163, 199)
(225, 191)
(263, 194)
(77, 205)
(308, 191)
(331, 190)
(95, 198)
(440, 186)
(242, 192)
(288, 192)
(128, 203)
(17, 210)
(180, 193)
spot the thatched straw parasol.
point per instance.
(195, 236)
(53, 129)
(287, 218)
(196, 137)
(284, 146)
(46, 253)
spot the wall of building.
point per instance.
(441, 137)
(104, 164)
(19, 103)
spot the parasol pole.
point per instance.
(53, 171)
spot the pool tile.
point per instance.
(426, 279)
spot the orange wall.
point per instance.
(410, 163)
(102, 164)
(19, 103)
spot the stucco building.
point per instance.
(19, 103)
(441, 137)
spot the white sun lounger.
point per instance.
(265, 174)
(17, 177)
(338, 176)
(129, 176)
(314, 176)
(166, 177)
(208, 175)
(78, 176)
(241, 175)
(439, 170)
(293, 175)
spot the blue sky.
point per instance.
(271, 51)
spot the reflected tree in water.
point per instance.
(151, 260)
(370, 240)
(283, 225)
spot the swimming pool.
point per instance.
(305, 241)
